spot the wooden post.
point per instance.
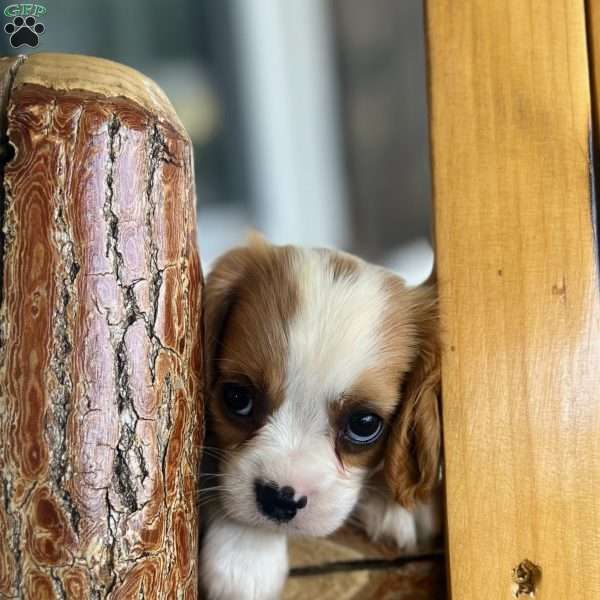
(99, 362)
(518, 278)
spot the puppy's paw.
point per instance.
(242, 563)
(386, 521)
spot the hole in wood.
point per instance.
(7, 152)
(526, 576)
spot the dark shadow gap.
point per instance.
(594, 134)
(374, 564)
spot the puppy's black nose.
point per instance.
(277, 503)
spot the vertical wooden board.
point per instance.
(518, 278)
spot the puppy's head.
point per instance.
(321, 367)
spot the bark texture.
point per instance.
(100, 418)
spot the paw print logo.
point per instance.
(24, 32)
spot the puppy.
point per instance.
(322, 381)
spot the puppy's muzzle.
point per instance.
(277, 503)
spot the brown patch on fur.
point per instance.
(250, 298)
(413, 451)
(343, 266)
(401, 328)
(380, 388)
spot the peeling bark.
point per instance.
(100, 412)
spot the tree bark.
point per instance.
(100, 414)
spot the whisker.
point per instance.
(216, 451)
(219, 488)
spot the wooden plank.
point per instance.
(517, 268)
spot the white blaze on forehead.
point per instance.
(335, 333)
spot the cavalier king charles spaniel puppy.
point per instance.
(322, 397)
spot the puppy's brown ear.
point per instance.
(220, 293)
(413, 451)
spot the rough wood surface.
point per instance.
(518, 280)
(99, 393)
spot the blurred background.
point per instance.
(308, 117)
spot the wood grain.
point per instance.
(518, 278)
(99, 399)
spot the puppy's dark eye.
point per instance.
(363, 428)
(238, 399)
